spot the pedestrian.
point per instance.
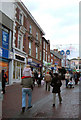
(33, 78)
(4, 76)
(27, 87)
(36, 76)
(39, 78)
(51, 73)
(67, 78)
(47, 79)
(56, 84)
(76, 78)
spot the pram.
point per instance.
(71, 83)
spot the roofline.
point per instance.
(31, 16)
(46, 40)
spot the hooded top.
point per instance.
(27, 72)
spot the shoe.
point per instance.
(53, 105)
(23, 110)
(61, 102)
(29, 107)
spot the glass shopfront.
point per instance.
(17, 70)
(5, 66)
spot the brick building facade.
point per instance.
(27, 42)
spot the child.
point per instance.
(70, 83)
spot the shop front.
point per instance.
(35, 66)
(4, 65)
(4, 52)
(19, 63)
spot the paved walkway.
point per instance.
(42, 103)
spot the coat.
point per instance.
(47, 78)
(56, 84)
(27, 82)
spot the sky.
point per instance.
(59, 19)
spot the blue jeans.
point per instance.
(67, 82)
(24, 92)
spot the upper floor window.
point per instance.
(19, 44)
(30, 29)
(20, 18)
(54, 57)
(44, 44)
(43, 55)
(51, 60)
(36, 53)
(37, 36)
(40, 56)
(29, 47)
(51, 55)
(46, 57)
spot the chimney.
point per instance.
(55, 50)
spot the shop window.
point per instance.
(5, 66)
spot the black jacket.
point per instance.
(56, 84)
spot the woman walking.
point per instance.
(56, 84)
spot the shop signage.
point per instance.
(62, 52)
(5, 40)
(33, 64)
(29, 60)
(68, 52)
(0, 52)
(56, 62)
(5, 53)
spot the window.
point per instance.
(36, 53)
(40, 56)
(19, 45)
(54, 57)
(46, 57)
(51, 55)
(29, 48)
(20, 18)
(51, 60)
(44, 44)
(30, 29)
(37, 36)
(43, 55)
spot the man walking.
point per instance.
(47, 79)
(27, 85)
